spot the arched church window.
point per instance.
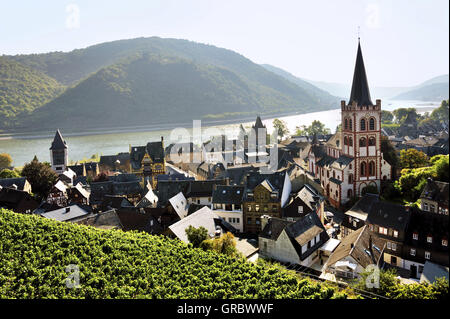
(350, 141)
(371, 141)
(371, 168)
(372, 124)
(363, 124)
(345, 140)
(363, 169)
(362, 142)
(349, 193)
(350, 125)
(350, 178)
(345, 124)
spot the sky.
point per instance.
(404, 42)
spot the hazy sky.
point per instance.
(404, 42)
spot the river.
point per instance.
(23, 148)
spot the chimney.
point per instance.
(227, 181)
(14, 186)
(67, 209)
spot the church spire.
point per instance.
(58, 142)
(360, 88)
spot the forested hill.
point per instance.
(117, 78)
(23, 89)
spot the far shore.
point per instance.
(146, 128)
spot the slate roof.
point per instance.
(103, 220)
(202, 188)
(156, 151)
(388, 215)
(115, 201)
(431, 271)
(360, 87)
(180, 205)
(167, 189)
(276, 180)
(363, 206)
(204, 217)
(138, 219)
(62, 214)
(58, 142)
(436, 191)
(86, 194)
(343, 160)
(127, 188)
(8, 182)
(335, 181)
(110, 160)
(258, 123)
(355, 245)
(326, 160)
(77, 169)
(224, 194)
(305, 229)
(274, 228)
(10, 198)
(124, 178)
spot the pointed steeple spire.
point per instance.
(58, 142)
(258, 123)
(360, 88)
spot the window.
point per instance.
(444, 242)
(350, 178)
(363, 169)
(372, 124)
(362, 142)
(412, 252)
(371, 168)
(345, 140)
(300, 209)
(429, 239)
(394, 246)
(249, 208)
(350, 126)
(349, 193)
(415, 236)
(249, 220)
(345, 125)
(382, 230)
(395, 233)
(425, 206)
(427, 255)
(257, 222)
(257, 207)
(372, 141)
(350, 142)
(433, 208)
(388, 245)
(363, 124)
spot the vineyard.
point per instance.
(35, 253)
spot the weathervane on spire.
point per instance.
(358, 33)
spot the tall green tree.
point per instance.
(386, 117)
(8, 173)
(5, 160)
(41, 177)
(280, 128)
(196, 235)
(316, 127)
(412, 158)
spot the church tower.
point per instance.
(59, 153)
(361, 121)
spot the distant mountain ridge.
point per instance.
(147, 79)
(434, 89)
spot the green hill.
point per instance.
(151, 89)
(435, 89)
(223, 83)
(23, 89)
(34, 254)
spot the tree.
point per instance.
(225, 244)
(386, 117)
(41, 177)
(441, 114)
(5, 160)
(8, 173)
(442, 168)
(316, 127)
(402, 113)
(196, 235)
(412, 158)
(280, 128)
(389, 153)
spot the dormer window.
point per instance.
(395, 233)
(412, 252)
(444, 242)
(427, 255)
(415, 236)
(429, 239)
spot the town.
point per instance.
(324, 205)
